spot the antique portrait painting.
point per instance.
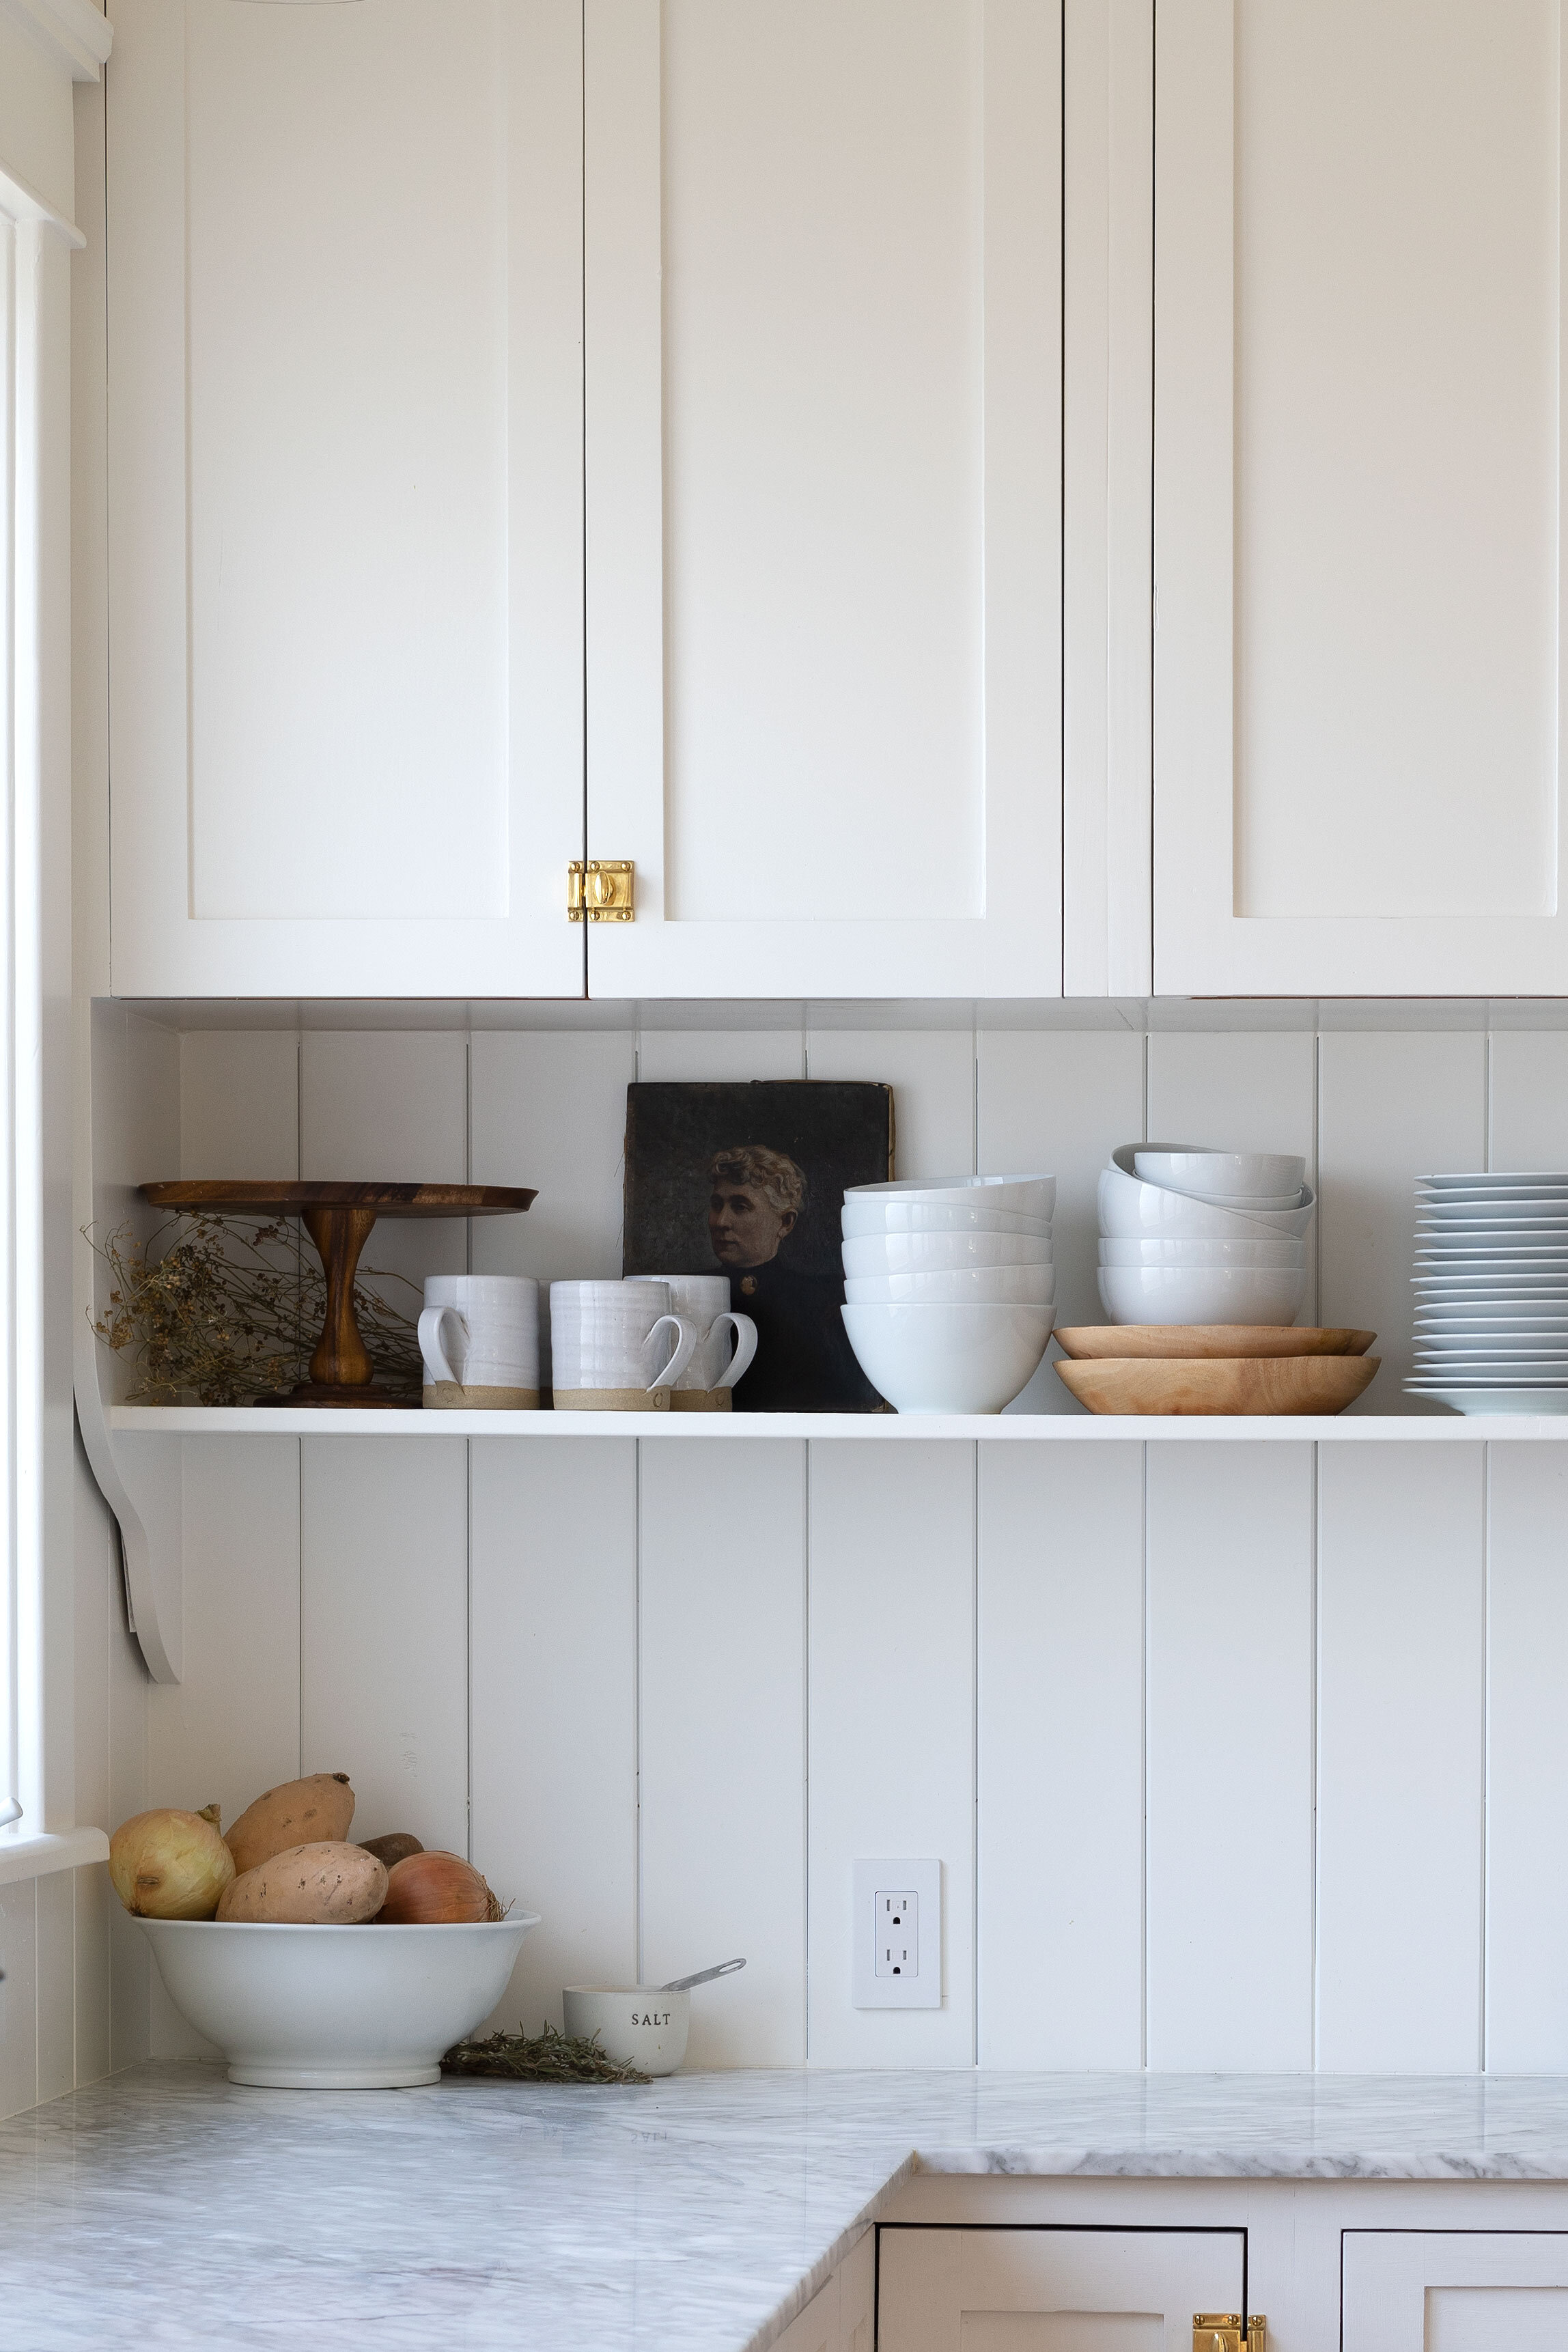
(748, 1180)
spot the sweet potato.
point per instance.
(328, 1884)
(311, 1811)
(394, 1847)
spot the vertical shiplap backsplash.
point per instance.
(1234, 1758)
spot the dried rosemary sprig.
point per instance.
(547, 2057)
(221, 1308)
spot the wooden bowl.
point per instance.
(1228, 1339)
(1261, 1384)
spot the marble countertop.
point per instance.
(169, 2209)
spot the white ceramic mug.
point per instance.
(606, 1340)
(704, 1300)
(479, 1334)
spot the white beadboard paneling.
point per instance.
(95, 1900)
(150, 1102)
(1242, 1090)
(1393, 1105)
(1057, 1101)
(1060, 1757)
(57, 1983)
(239, 1103)
(932, 1073)
(890, 1728)
(723, 1611)
(383, 1643)
(231, 1728)
(554, 1708)
(96, 1568)
(390, 1108)
(663, 1053)
(1230, 1758)
(1529, 1107)
(18, 1996)
(1527, 1786)
(1400, 1674)
(130, 1958)
(551, 1110)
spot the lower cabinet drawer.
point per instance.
(1454, 2290)
(1053, 2290)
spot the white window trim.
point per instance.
(28, 225)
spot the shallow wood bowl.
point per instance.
(1229, 1339)
(1270, 1384)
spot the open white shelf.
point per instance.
(1013, 1429)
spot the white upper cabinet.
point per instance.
(345, 525)
(1359, 428)
(823, 273)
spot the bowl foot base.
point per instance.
(394, 2077)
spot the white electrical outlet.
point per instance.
(897, 1935)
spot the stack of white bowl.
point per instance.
(1191, 1235)
(1491, 1292)
(951, 1288)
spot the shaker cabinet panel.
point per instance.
(1359, 426)
(1060, 2290)
(1454, 2290)
(344, 419)
(824, 458)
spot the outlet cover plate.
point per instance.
(922, 1879)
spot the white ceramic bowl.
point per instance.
(1031, 1196)
(1130, 1210)
(941, 1252)
(637, 2024)
(1220, 1174)
(1195, 1294)
(898, 1216)
(1270, 1254)
(335, 2009)
(982, 1286)
(948, 1358)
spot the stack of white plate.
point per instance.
(1492, 1293)
(1191, 1235)
(951, 1286)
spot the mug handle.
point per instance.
(432, 1320)
(745, 1332)
(685, 1348)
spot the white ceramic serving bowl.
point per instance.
(636, 2025)
(1130, 1210)
(1269, 1253)
(1220, 1174)
(1195, 1294)
(898, 1216)
(1030, 1196)
(335, 2009)
(1249, 1204)
(941, 1252)
(948, 1358)
(982, 1286)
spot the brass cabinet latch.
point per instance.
(600, 891)
(1227, 2331)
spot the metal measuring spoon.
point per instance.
(703, 1975)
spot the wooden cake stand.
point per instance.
(338, 1219)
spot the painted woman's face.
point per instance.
(743, 1229)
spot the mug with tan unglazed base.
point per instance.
(707, 1383)
(607, 1342)
(479, 1334)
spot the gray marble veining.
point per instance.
(168, 2209)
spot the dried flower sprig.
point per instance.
(222, 1308)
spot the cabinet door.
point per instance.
(1455, 2291)
(345, 514)
(1027, 2289)
(824, 458)
(1358, 558)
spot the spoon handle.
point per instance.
(703, 1975)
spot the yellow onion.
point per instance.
(424, 1888)
(169, 1865)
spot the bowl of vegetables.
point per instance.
(312, 1963)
